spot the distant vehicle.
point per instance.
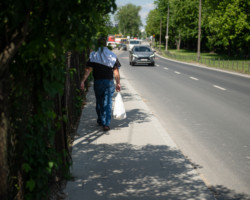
(111, 38)
(112, 44)
(141, 54)
(118, 38)
(124, 40)
(122, 47)
(133, 42)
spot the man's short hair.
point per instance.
(102, 41)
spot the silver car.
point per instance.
(141, 54)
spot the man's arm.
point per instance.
(85, 76)
(117, 79)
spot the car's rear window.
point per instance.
(142, 49)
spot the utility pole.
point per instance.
(167, 30)
(160, 34)
(199, 34)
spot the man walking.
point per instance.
(105, 66)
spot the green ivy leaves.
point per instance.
(38, 76)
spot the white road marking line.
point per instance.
(196, 79)
(221, 88)
(157, 65)
(177, 72)
(165, 68)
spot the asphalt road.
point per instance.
(207, 114)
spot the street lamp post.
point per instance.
(167, 30)
(199, 34)
(160, 33)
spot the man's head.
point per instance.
(102, 41)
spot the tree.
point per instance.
(112, 29)
(184, 18)
(183, 21)
(128, 19)
(225, 24)
(34, 39)
(228, 23)
(153, 23)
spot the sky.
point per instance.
(146, 6)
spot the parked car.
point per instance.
(141, 54)
(112, 44)
(122, 47)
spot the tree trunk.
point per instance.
(160, 33)
(3, 138)
(178, 42)
(229, 49)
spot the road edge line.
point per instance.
(201, 66)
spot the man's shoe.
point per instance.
(106, 128)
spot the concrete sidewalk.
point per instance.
(135, 160)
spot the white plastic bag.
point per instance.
(119, 109)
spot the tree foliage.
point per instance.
(225, 24)
(185, 19)
(153, 22)
(35, 37)
(183, 22)
(228, 24)
(128, 19)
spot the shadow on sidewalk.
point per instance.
(223, 193)
(128, 172)
(124, 171)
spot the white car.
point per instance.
(133, 42)
(112, 44)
